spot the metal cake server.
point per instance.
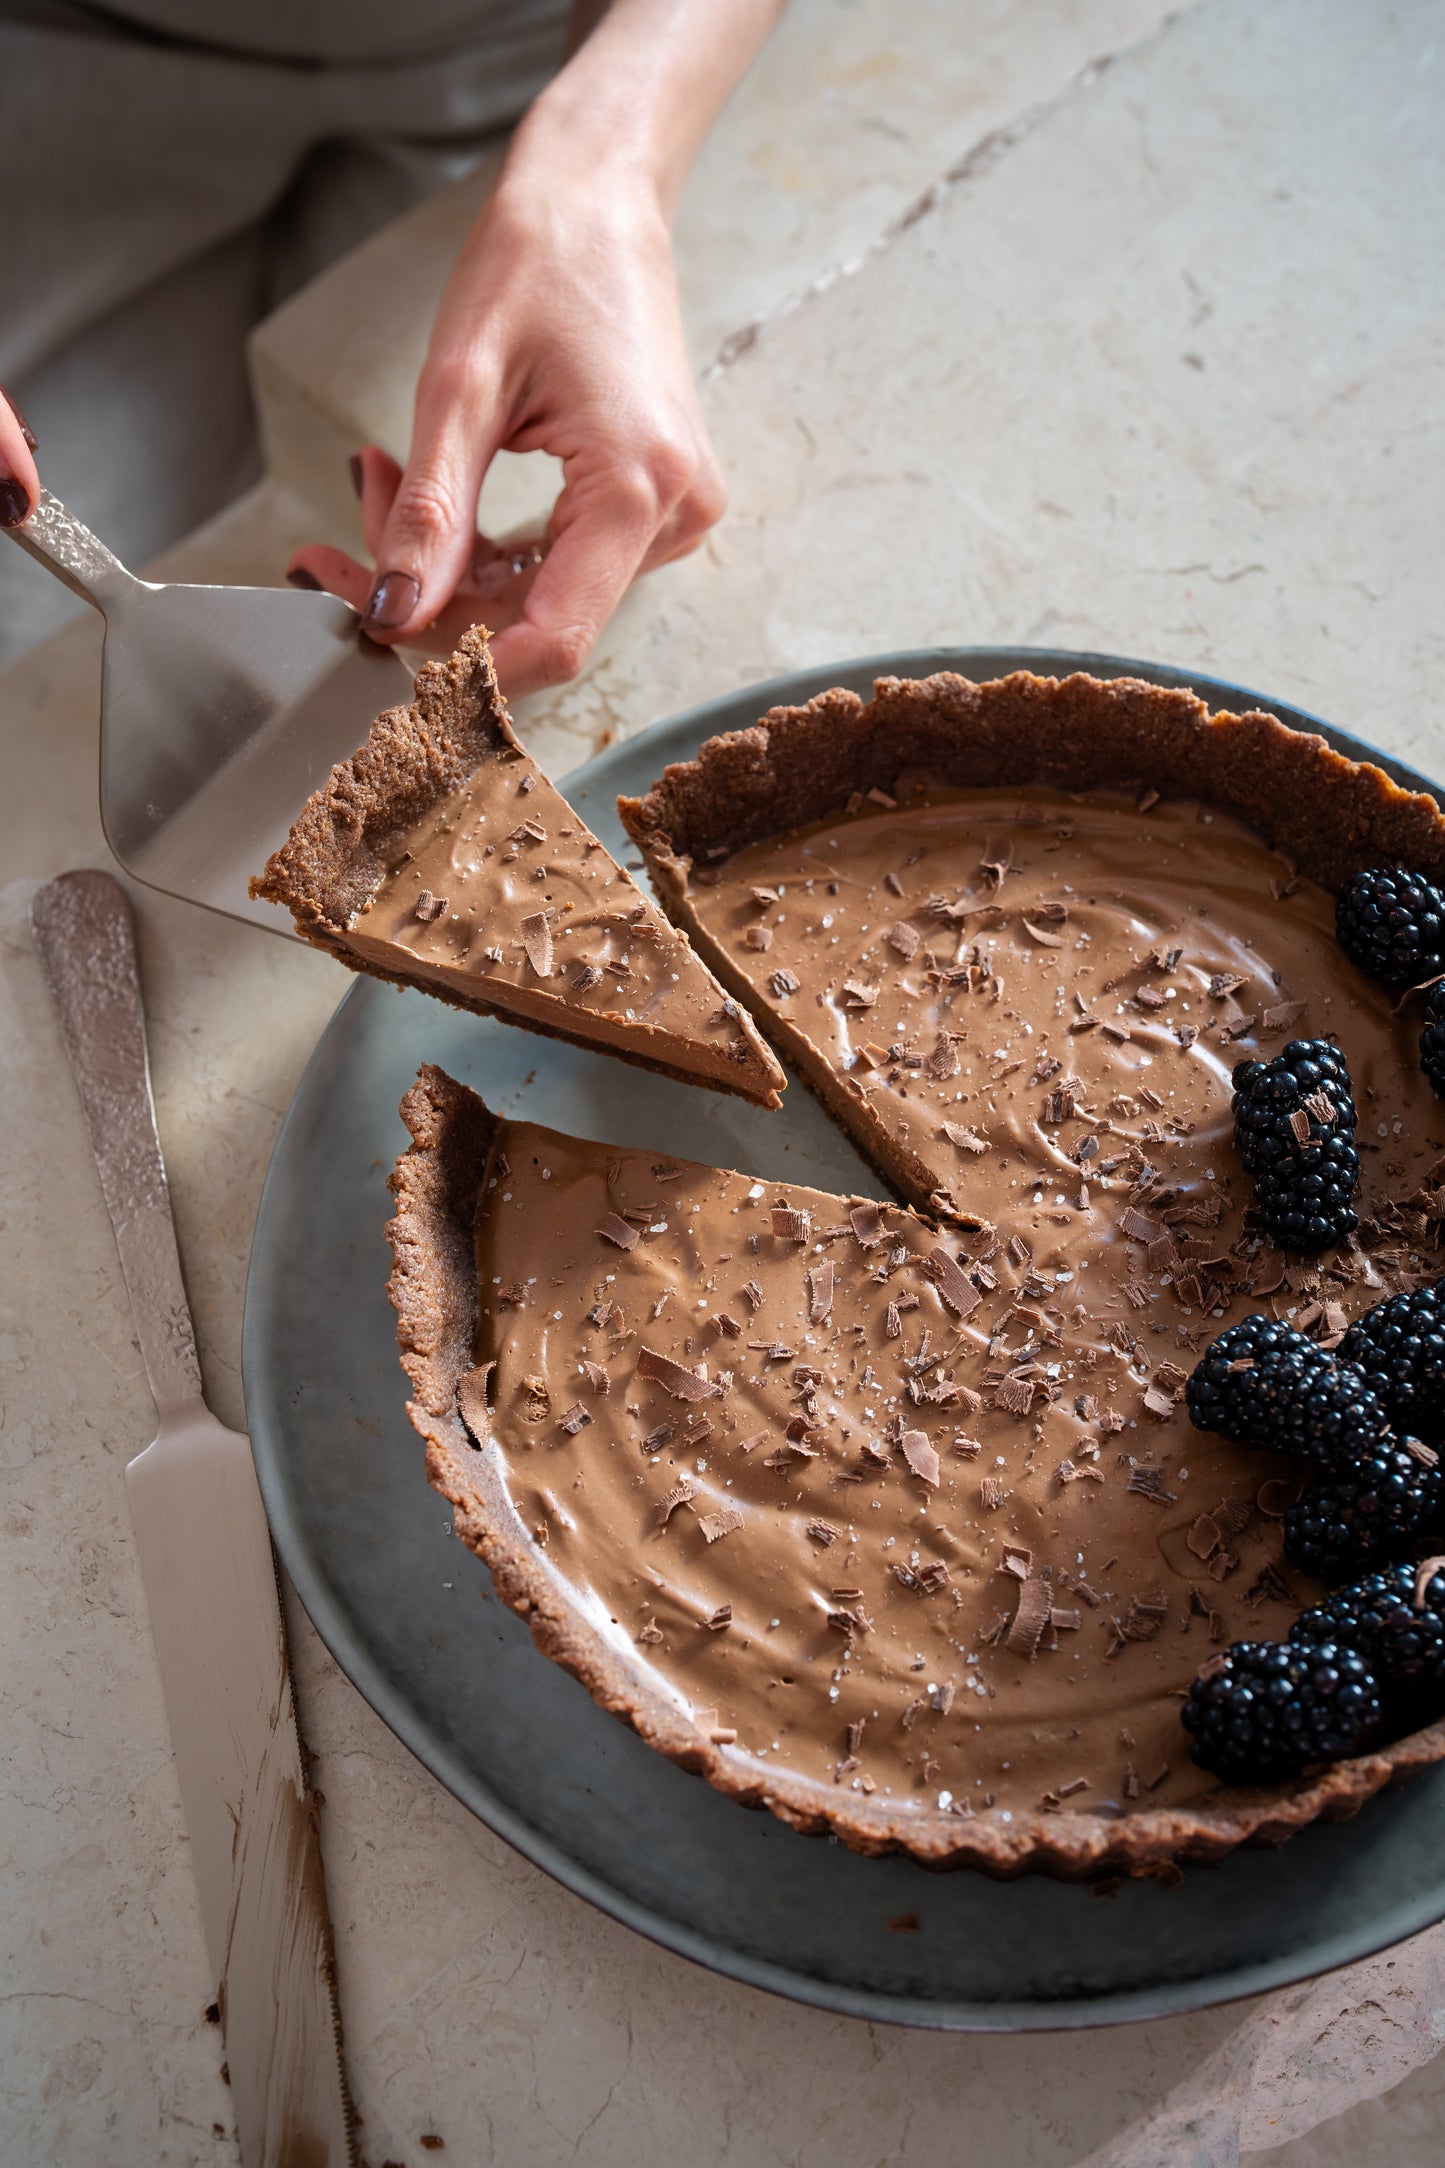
(211, 1589)
(221, 709)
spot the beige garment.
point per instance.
(160, 194)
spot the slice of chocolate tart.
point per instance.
(901, 1540)
(441, 856)
(1011, 931)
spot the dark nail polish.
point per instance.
(392, 602)
(358, 472)
(14, 504)
(25, 429)
(298, 576)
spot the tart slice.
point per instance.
(900, 1542)
(440, 856)
(964, 912)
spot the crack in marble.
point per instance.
(978, 160)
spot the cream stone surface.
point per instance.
(1160, 370)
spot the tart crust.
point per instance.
(1330, 815)
(351, 832)
(437, 1186)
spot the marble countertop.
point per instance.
(1121, 330)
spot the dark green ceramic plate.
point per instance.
(396, 1598)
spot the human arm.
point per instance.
(559, 330)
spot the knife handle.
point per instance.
(83, 930)
(55, 538)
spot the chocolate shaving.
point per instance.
(892, 1322)
(1299, 1123)
(615, 1229)
(943, 1061)
(577, 1418)
(1149, 1481)
(920, 1456)
(721, 1618)
(952, 1282)
(717, 1525)
(1042, 936)
(867, 1223)
(675, 1378)
(992, 1491)
(822, 1533)
(820, 1292)
(966, 1140)
(752, 1296)
(681, 1494)
(791, 1226)
(429, 907)
(758, 937)
(1015, 1395)
(904, 939)
(537, 940)
(1030, 1619)
(782, 983)
(650, 1634)
(1424, 1574)
(1204, 1538)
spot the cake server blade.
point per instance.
(221, 709)
(211, 1590)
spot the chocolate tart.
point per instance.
(440, 856)
(729, 1448)
(922, 841)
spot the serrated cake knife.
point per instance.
(211, 1589)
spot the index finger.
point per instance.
(19, 478)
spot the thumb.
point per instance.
(430, 531)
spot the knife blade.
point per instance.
(211, 1591)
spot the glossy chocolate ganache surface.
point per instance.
(922, 1514)
(501, 893)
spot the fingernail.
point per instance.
(358, 472)
(25, 429)
(14, 503)
(392, 601)
(298, 576)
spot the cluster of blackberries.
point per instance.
(1400, 1347)
(1392, 924)
(1369, 1660)
(1356, 1413)
(1294, 1124)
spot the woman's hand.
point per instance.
(559, 331)
(19, 482)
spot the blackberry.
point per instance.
(1302, 1157)
(1400, 1347)
(1392, 924)
(1432, 1040)
(1267, 1708)
(1295, 1398)
(1377, 1617)
(1369, 1511)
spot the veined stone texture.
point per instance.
(1161, 370)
